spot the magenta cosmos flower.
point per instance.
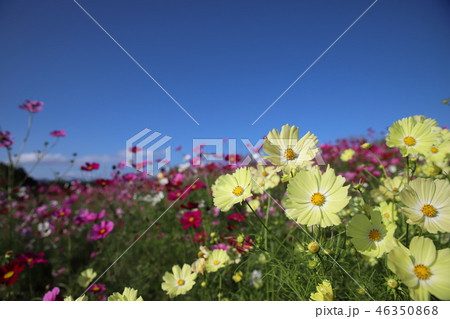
(51, 295)
(58, 133)
(99, 231)
(191, 219)
(97, 288)
(5, 139)
(31, 258)
(32, 106)
(90, 166)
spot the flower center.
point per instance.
(289, 154)
(429, 210)
(434, 149)
(238, 191)
(409, 140)
(317, 199)
(180, 282)
(374, 235)
(29, 260)
(422, 272)
(191, 219)
(102, 231)
(264, 174)
(395, 189)
(96, 288)
(387, 215)
(216, 262)
(8, 275)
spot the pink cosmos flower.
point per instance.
(220, 246)
(197, 185)
(99, 231)
(63, 212)
(32, 106)
(177, 194)
(85, 217)
(237, 217)
(199, 237)
(121, 165)
(97, 288)
(242, 247)
(129, 177)
(51, 295)
(31, 258)
(191, 219)
(5, 139)
(58, 133)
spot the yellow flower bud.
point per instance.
(313, 247)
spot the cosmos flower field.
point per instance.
(363, 218)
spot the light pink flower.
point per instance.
(32, 106)
(51, 295)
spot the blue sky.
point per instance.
(225, 62)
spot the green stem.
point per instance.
(265, 227)
(267, 222)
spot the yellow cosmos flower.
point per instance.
(287, 151)
(232, 189)
(413, 135)
(237, 277)
(86, 277)
(347, 155)
(428, 204)
(392, 187)
(371, 237)
(179, 282)
(439, 151)
(129, 294)
(254, 204)
(217, 259)
(314, 198)
(263, 178)
(422, 268)
(82, 298)
(324, 292)
(388, 212)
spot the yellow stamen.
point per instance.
(289, 154)
(409, 140)
(387, 215)
(317, 199)
(428, 210)
(180, 282)
(8, 275)
(374, 235)
(216, 262)
(238, 191)
(102, 231)
(191, 219)
(422, 272)
(434, 149)
(264, 174)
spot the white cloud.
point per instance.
(60, 159)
